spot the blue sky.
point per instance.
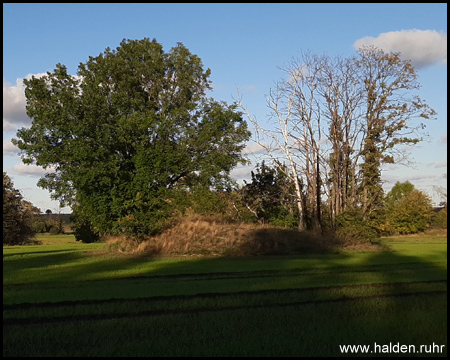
(243, 44)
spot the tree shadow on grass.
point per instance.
(276, 241)
(315, 328)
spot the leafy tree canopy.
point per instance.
(131, 130)
(398, 191)
(408, 210)
(269, 195)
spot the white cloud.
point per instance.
(9, 149)
(14, 104)
(254, 149)
(422, 47)
(443, 139)
(241, 172)
(28, 170)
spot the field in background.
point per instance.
(66, 298)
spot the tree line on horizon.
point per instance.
(134, 141)
(264, 200)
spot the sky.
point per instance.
(244, 45)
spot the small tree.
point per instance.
(17, 214)
(269, 196)
(408, 210)
(439, 218)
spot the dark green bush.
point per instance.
(285, 220)
(352, 228)
(83, 229)
(439, 219)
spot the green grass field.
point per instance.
(66, 298)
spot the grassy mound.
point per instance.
(195, 235)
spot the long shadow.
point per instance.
(407, 326)
(316, 328)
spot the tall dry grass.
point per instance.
(200, 235)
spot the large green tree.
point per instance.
(129, 134)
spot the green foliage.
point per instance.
(17, 215)
(439, 219)
(128, 133)
(398, 191)
(409, 210)
(352, 227)
(269, 196)
(207, 202)
(285, 220)
(38, 225)
(42, 224)
(54, 230)
(83, 229)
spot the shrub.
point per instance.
(54, 230)
(284, 220)
(83, 230)
(352, 228)
(439, 219)
(38, 225)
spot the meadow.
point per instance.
(65, 298)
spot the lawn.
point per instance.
(65, 298)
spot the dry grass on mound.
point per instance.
(208, 236)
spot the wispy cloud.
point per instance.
(249, 88)
(441, 164)
(254, 149)
(422, 47)
(9, 149)
(28, 170)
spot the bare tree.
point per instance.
(296, 135)
(335, 122)
(278, 142)
(341, 101)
